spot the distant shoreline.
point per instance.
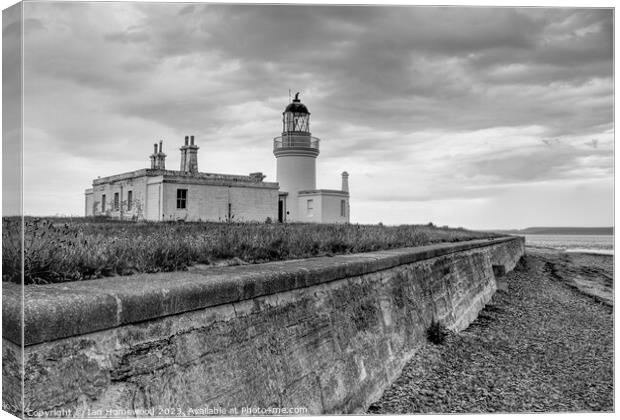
(561, 231)
(549, 249)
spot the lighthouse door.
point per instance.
(280, 211)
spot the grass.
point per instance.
(63, 249)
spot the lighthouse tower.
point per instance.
(296, 152)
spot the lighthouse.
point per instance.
(296, 152)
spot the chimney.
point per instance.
(183, 150)
(192, 156)
(345, 181)
(189, 156)
(154, 157)
(161, 157)
(257, 176)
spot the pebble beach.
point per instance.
(543, 344)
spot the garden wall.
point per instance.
(327, 334)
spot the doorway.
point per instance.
(280, 211)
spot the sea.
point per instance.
(590, 244)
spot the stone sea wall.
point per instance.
(321, 335)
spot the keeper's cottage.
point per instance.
(159, 194)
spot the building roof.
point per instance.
(296, 106)
(189, 177)
(324, 192)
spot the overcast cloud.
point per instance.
(476, 117)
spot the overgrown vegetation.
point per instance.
(63, 249)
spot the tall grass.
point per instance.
(59, 250)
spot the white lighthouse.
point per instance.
(296, 151)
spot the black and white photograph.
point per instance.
(225, 209)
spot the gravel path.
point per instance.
(539, 346)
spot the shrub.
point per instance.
(436, 332)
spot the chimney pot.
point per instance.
(155, 148)
(192, 140)
(160, 144)
(186, 140)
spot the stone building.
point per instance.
(159, 194)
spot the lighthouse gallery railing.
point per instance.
(292, 140)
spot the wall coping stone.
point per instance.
(60, 310)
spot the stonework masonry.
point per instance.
(222, 202)
(328, 334)
(209, 197)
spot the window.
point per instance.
(116, 201)
(343, 208)
(181, 199)
(102, 203)
(310, 206)
(296, 121)
(129, 199)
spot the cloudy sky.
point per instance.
(474, 117)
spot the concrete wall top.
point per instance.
(61, 310)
